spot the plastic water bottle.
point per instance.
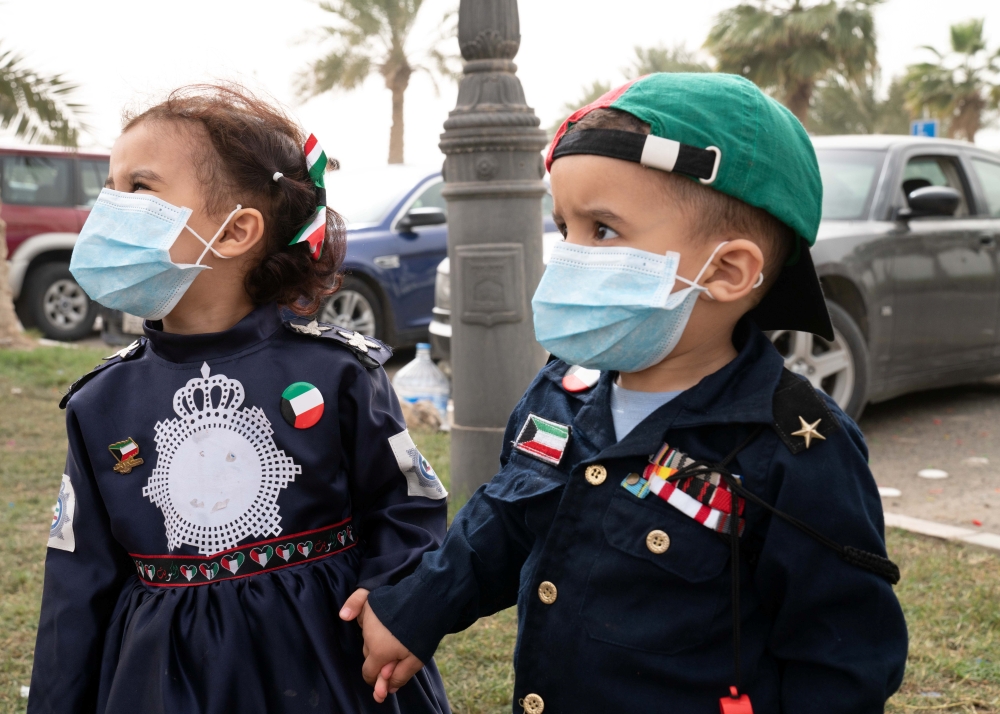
(421, 379)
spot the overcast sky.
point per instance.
(130, 52)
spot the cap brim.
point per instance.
(795, 301)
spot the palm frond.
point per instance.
(37, 107)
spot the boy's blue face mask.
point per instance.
(613, 308)
(122, 257)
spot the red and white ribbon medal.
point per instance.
(301, 405)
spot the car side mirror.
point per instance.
(421, 217)
(931, 201)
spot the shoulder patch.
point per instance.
(801, 417)
(123, 355)
(580, 379)
(370, 352)
(543, 439)
(420, 477)
(61, 535)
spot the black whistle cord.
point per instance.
(703, 470)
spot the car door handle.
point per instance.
(987, 241)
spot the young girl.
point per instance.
(233, 476)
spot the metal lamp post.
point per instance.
(493, 174)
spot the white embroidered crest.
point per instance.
(356, 339)
(313, 328)
(61, 534)
(218, 471)
(420, 477)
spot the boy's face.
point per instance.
(599, 201)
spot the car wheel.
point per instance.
(57, 305)
(839, 368)
(354, 307)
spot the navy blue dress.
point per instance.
(224, 494)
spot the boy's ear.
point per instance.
(734, 271)
(245, 230)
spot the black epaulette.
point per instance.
(801, 417)
(370, 352)
(123, 355)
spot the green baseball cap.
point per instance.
(721, 130)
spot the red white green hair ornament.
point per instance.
(314, 232)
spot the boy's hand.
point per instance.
(388, 664)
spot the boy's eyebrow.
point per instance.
(137, 175)
(603, 214)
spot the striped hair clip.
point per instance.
(314, 232)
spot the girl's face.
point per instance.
(160, 158)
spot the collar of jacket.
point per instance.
(742, 392)
(253, 329)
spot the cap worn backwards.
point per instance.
(723, 131)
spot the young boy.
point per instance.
(612, 522)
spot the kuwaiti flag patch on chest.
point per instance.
(301, 405)
(543, 439)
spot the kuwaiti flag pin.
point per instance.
(580, 379)
(301, 405)
(543, 439)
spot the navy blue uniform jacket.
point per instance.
(633, 630)
(208, 577)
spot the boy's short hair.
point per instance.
(711, 212)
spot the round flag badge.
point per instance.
(301, 405)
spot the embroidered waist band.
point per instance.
(244, 561)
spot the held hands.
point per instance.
(388, 664)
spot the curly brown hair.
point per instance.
(251, 141)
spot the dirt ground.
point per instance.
(956, 430)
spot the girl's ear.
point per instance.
(245, 230)
(735, 271)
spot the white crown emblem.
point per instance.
(218, 471)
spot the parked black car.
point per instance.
(907, 255)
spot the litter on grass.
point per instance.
(889, 492)
(932, 473)
(24, 692)
(976, 461)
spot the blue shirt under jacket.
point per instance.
(224, 494)
(612, 617)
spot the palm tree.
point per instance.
(960, 86)
(787, 47)
(371, 35)
(36, 107)
(649, 60)
(841, 107)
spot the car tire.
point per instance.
(355, 307)
(839, 368)
(56, 305)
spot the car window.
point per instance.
(924, 171)
(989, 177)
(364, 196)
(547, 205)
(36, 181)
(848, 181)
(432, 198)
(92, 174)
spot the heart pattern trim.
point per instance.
(181, 570)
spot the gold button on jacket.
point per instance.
(657, 541)
(533, 704)
(547, 592)
(595, 474)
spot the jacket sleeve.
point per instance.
(838, 631)
(399, 505)
(476, 571)
(85, 569)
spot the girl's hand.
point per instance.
(388, 664)
(352, 608)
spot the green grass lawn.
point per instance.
(951, 593)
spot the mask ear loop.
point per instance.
(208, 244)
(694, 283)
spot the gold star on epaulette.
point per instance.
(808, 431)
(356, 339)
(123, 352)
(313, 328)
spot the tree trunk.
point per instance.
(10, 327)
(798, 97)
(396, 132)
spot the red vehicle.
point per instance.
(47, 194)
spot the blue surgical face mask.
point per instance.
(613, 308)
(122, 257)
